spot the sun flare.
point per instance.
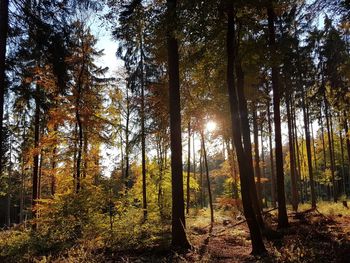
(210, 126)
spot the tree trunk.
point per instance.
(202, 201)
(347, 139)
(308, 150)
(342, 156)
(282, 210)
(127, 143)
(3, 39)
(273, 176)
(188, 168)
(256, 154)
(317, 191)
(179, 238)
(330, 146)
(255, 234)
(245, 131)
(80, 146)
(9, 187)
(35, 193)
(292, 157)
(297, 154)
(143, 134)
(208, 178)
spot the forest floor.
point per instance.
(313, 236)
(321, 235)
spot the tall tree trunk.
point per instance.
(297, 154)
(245, 131)
(282, 210)
(263, 166)
(256, 154)
(194, 156)
(143, 134)
(308, 150)
(80, 147)
(9, 187)
(253, 225)
(3, 39)
(202, 201)
(342, 156)
(292, 157)
(53, 169)
(35, 192)
(188, 168)
(347, 139)
(330, 146)
(272, 164)
(317, 192)
(127, 143)
(179, 238)
(207, 177)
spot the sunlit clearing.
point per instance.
(210, 126)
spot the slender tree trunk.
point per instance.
(342, 156)
(256, 155)
(308, 151)
(188, 168)
(9, 189)
(80, 148)
(272, 164)
(202, 201)
(3, 39)
(297, 153)
(53, 170)
(282, 210)
(292, 157)
(179, 238)
(245, 131)
(194, 157)
(40, 172)
(253, 225)
(347, 139)
(35, 192)
(127, 144)
(335, 194)
(317, 192)
(208, 178)
(143, 134)
(263, 166)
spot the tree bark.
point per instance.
(256, 155)
(3, 39)
(255, 234)
(188, 168)
(308, 150)
(208, 178)
(282, 210)
(35, 192)
(292, 157)
(245, 131)
(143, 134)
(272, 164)
(330, 146)
(179, 238)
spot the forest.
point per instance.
(174, 131)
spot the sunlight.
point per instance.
(210, 126)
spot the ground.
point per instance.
(321, 235)
(313, 236)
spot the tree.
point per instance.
(257, 242)
(179, 238)
(282, 211)
(3, 42)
